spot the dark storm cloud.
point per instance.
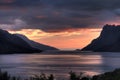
(57, 22)
(84, 4)
(19, 3)
(66, 4)
(58, 15)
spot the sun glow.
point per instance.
(62, 40)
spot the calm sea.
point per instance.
(59, 63)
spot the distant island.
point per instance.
(18, 43)
(108, 41)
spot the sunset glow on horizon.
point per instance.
(68, 40)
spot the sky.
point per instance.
(65, 24)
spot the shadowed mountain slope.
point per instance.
(35, 44)
(108, 41)
(10, 43)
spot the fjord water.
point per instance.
(59, 64)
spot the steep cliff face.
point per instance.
(108, 41)
(10, 43)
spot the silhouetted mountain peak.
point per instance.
(109, 32)
(3, 32)
(109, 40)
(10, 43)
(111, 28)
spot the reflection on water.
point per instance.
(59, 64)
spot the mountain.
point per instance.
(10, 43)
(36, 44)
(108, 41)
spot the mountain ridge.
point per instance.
(13, 44)
(108, 41)
(36, 44)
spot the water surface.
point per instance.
(59, 64)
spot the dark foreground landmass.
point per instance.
(115, 75)
(108, 41)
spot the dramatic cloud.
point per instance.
(58, 15)
(93, 5)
